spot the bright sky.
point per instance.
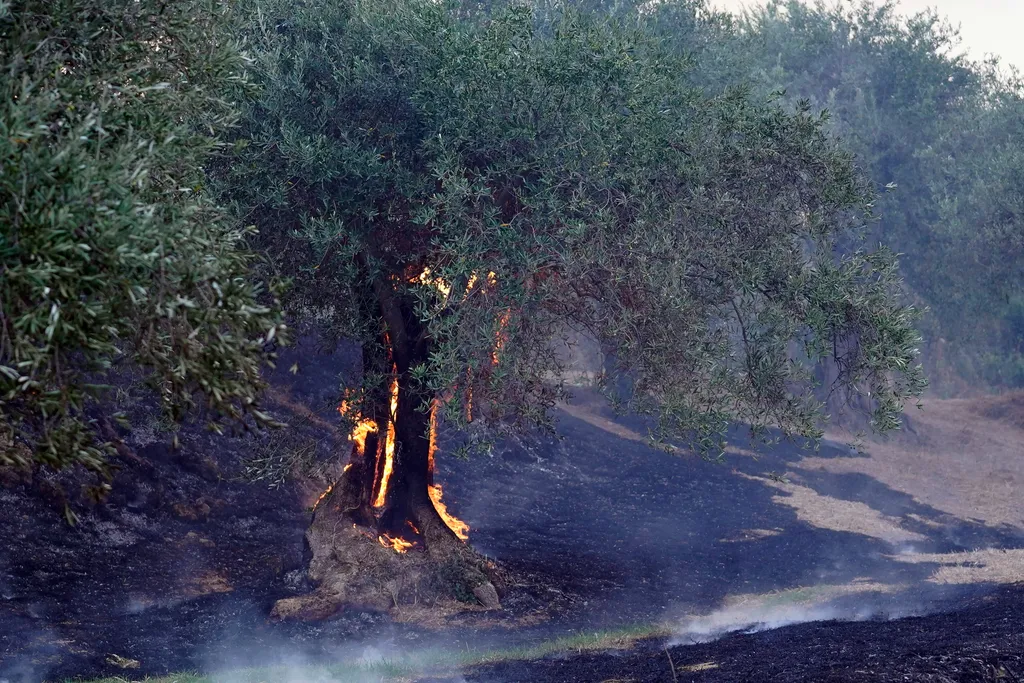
(986, 26)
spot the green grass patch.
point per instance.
(403, 667)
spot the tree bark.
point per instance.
(352, 563)
(408, 497)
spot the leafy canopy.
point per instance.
(940, 130)
(109, 250)
(512, 180)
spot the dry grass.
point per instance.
(978, 566)
(964, 457)
(825, 512)
(1006, 408)
(747, 535)
(806, 596)
(967, 458)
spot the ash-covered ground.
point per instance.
(981, 641)
(179, 568)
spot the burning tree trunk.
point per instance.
(381, 537)
(409, 496)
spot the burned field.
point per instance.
(594, 530)
(983, 640)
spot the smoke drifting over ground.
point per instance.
(744, 619)
(23, 669)
(367, 661)
(753, 614)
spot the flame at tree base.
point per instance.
(323, 495)
(384, 462)
(396, 543)
(457, 526)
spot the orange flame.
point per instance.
(424, 278)
(399, 545)
(362, 428)
(389, 448)
(432, 445)
(458, 527)
(358, 437)
(501, 336)
(365, 426)
(359, 434)
(323, 495)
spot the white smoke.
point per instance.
(23, 667)
(298, 669)
(756, 617)
(353, 662)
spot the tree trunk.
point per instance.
(408, 495)
(403, 551)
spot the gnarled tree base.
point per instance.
(350, 568)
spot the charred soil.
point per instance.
(595, 529)
(982, 641)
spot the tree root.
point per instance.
(350, 568)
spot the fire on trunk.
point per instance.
(389, 449)
(382, 462)
(380, 465)
(458, 527)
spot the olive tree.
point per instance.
(459, 196)
(110, 251)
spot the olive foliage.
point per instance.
(518, 180)
(110, 252)
(938, 133)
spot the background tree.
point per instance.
(460, 195)
(109, 250)
(977, 181)
(924, 121)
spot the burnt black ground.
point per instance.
(178, 570)
(637, 532)
(983, 640)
